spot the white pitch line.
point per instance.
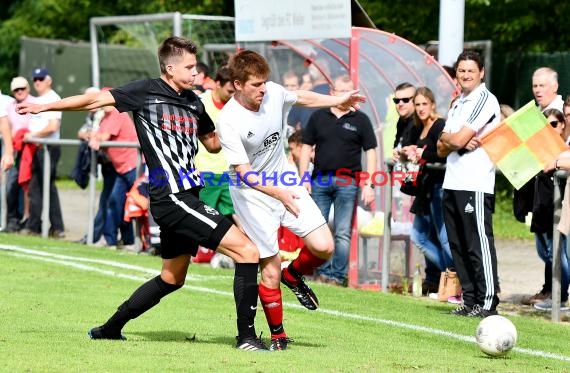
(190, 277)
(438, 332)
(89, 268)
(71, 261)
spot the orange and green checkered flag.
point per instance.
(523, 144)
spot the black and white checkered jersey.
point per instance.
(168, 125)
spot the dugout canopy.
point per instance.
(377, 62)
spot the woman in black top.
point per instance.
(420, 146)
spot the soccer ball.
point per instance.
(496, 335)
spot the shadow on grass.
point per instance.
(171, 336)
(191, 337)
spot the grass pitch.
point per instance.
(53, 292)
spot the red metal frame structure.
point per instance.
(377, 62)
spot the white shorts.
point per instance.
(261, 217)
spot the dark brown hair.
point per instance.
(403, 86)
(554, 112)
(174, 47)
(223, 75)
(470, 56)
(246, 64)
(296, 137)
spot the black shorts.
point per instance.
(186, 223)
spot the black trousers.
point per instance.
(35, 191)
(14, 202)
(469, 224)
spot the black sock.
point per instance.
(144, 298)
(298, 275)
(245, 296)
(277, 331)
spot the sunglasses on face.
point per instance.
(554, 123)
(405, 100)
(39, 79)
(18, 90)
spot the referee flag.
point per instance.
(523, 144)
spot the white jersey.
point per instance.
(4, 102)
(473, 171)
(40, 121)
(257, 137)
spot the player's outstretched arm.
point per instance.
(350, 100)
(86, 101)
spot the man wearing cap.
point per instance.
(44, 125)
(16, 216)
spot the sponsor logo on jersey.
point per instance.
(269, 143)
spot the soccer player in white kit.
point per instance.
(266, 191)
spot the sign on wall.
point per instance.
(262, 20)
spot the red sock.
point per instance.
(273, 307)
(305, 263)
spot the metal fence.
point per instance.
(557, 242)
(91, 186)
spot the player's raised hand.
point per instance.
(27, 107)
(351, 100)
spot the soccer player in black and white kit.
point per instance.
(251, 132)
(468, 199)
(170, 119)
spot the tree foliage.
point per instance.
(512, 25)
(69, 20)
